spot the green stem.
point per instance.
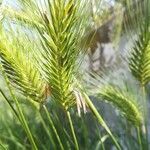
(20, 113)
(9, 103)
(102, 144)
(2, 146)
(24, 122)
(100, 120)
(100, 136)
(47, 131)
(72, 130)
(139, 138)
(145, 115)
(53, 127)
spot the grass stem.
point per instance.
(72, 130)
(145, 115)
(100, 120)
(2, 146)
(139, 138)
(20, 113)
(47, 131)
(53, 127)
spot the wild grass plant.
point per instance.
(45, 101)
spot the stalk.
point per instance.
(145, 115)
(2, 146)
(20, 113)
(9, 103)
(100, 136)
(102, 144)
(139, 138)
(103, 147)
(53, 127)
(100, 120)
(72, 130)
(47, 131)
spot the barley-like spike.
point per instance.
(123, 102)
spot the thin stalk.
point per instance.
(100, 120)
(100, 136)
(102, 144)
(69, 138)
(103, 147)
(9, 103)
(145, 115)
(2, 146)
(24, 122)
(53, 127)
(20, 113)
(47, 131)
(139, 138)
(72, 130)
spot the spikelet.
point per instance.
(123, 102)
